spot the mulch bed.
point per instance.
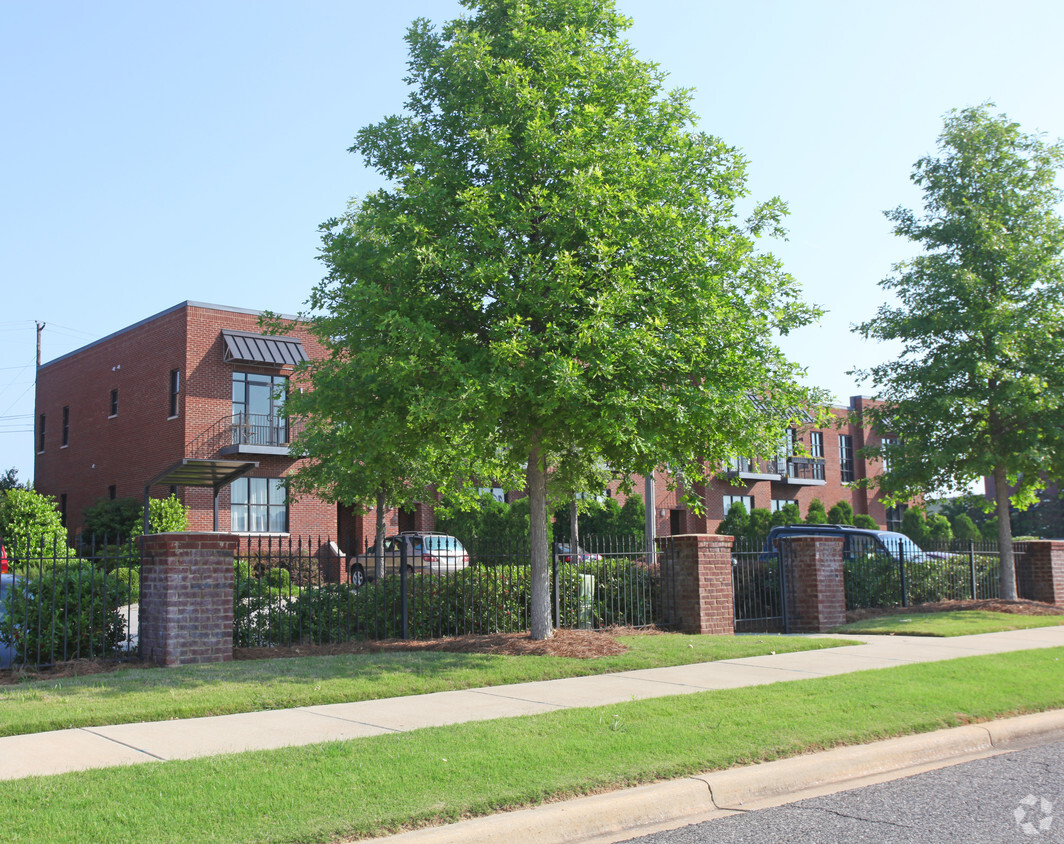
(987, 605)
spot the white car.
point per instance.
(426, 553)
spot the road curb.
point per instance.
(639, 810)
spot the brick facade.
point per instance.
(672, 515)
(816, 597)
(700, 581)
(1040, 572)
(186, 598)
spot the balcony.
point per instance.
(752, 469)
(801, 471)
(256, 433)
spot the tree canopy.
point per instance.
(556, 275)
(979, 387)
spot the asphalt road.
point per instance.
(1012, 798)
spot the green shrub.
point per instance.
(64, 611)
(816, 514)
(30, 526)
(863, 520)
(841, 513)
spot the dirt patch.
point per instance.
(987, 605)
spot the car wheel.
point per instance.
(358, 575)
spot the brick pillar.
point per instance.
(816, 598)
(186, 597)
(701, 583)
(1040, 571)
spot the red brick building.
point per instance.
(813, 462)
(193, 394)
(188, 392)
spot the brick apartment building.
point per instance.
(188, 401)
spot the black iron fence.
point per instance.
(425, 587)
(759, 588)
(59, 604)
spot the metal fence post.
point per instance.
(557, 588)
(971, 564)
(403, 590)
(904, 580)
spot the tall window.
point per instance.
(846, 467)
(779, 503)
(112, 492)
(894, 515)
(40, 432)
(888, 442)
(66, 426)
(257, 404)
(258, 505)
(114, 403)
(746, 500)
(175, 390)
(816, 450)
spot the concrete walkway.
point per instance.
(128, 744)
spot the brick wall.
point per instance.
(698, 571)
(816, 598)
(186, 598)
(1040, 572)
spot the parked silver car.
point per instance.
(426, 553)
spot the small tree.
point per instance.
(736, 522)
(9, 480)
(938, 529)
(816, 514)
(759, 524)
(841, 513)
(788, 514)
(30, 524)
(979, 387)
(964, 528)
(112, 520)
(863, 520)
(914, 525)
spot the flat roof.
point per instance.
(186, 304)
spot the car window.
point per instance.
(391, 545)
(415, 544)
(443, 543)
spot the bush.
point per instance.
(841, 513)
(863, 520)
(122, 519)
(30, 526)
(816, 514)
(64, 611)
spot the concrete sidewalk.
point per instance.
(127, 744)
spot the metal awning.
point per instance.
(263, 349)
(190, 471)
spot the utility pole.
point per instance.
(40, 328)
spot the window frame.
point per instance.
(65, 439)
(847, 464)
(262, 512)
(175, 393)
(113, 407)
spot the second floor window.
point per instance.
(66, 425)
(846, 467)
(114, 403)
(888, 442)
(816, 451)
(257, 404)
(40, 432)
(175, 390)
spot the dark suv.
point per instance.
(857, 541)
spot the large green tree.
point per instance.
(555, 275)
(979, 387)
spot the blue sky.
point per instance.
(154, 153)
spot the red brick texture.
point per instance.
(186, 597)
(816, 599)
(701, 583)
(1040, 572)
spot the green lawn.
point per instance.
(956, 623)
(375, 785)
(190, 691)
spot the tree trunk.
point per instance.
(536, 477)
(574, 531)
(378, 543)
(1007, 588)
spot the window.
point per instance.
(888, 442)
(677, 521)
(258, 505)
(496, 492)
(114, 402)
(816, 451)
(894, 515)
(175, 390)
(112, 492)
(779, 503)
(257, 404)
(746, 500)
(66, 426)
(40, 433)
(846, 468)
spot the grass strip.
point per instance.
(371, 786)
(133, 695)
(953, 623)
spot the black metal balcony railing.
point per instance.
(259, 429)
(803, 468)
(244, 432)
